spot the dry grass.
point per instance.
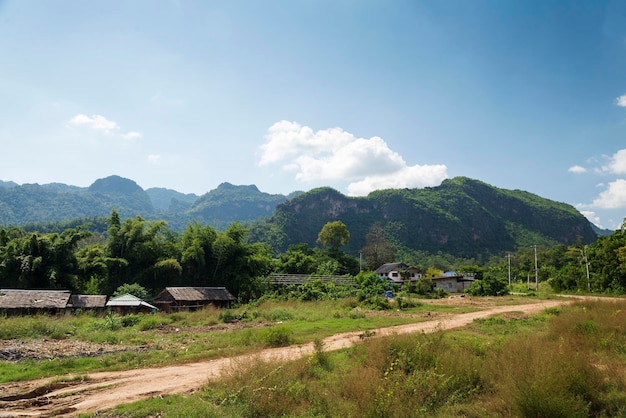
(573, 367)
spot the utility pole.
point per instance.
(536, 270)
(508, 255)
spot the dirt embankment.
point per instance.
(72, 395)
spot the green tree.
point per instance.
(333, 235)
(493, 283)
(196, 248)
(134, 289)
(137, 246)
(298, 259)
(40, 260)
(608, 272)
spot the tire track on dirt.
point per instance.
(104, 390)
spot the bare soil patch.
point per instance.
(16, 350)
(72, 395)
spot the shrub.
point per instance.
(151, 322)
(130, 320)
(488, 286)
(227, 316)
(110, 322)
(321, 357)
(278, 336)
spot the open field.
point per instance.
(83, 390)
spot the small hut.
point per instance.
(452, 282)
(128, 303)
(88, 302)
(193, 298)
(21, 301)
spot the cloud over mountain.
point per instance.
(334, 156)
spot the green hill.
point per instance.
(229, 203)
(462, 217)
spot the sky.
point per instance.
(290, 95)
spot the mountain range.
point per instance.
(462, 216)
(57, 202)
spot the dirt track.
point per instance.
(103, 391)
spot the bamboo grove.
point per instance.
(147, 252)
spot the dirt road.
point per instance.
(101, 391)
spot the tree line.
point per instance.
(149, 253)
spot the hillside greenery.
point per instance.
(49, 204)
(149, 253)
(461, 225)
(461, 217)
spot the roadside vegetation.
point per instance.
(150, 254)
(565, 362)
(142, 340)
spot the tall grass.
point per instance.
(572, 365)
(162, 339)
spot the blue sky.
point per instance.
(291, 95)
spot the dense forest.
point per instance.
(56, 236)
(462, 217)
(52, 203)
(149, 253)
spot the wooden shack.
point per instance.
(87, 302)
(25, 301)
(172, 299)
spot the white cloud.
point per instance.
(95, 122)
(592, 217)
(613, 197)
(407, 177)
(101, 124)
(617, 163)
(621, 101)
(336, 156)
(132, 135)
(577, 169)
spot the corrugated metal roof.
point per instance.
(128, 300)
(386, 268)
(42, 299)
(196, 294)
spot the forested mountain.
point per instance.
(168, 200)
(463, 217)
(229, 203)
(56, 203)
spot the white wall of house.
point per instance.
(395, 275)
(451, 284)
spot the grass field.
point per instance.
(564, 362)
(162, 339)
